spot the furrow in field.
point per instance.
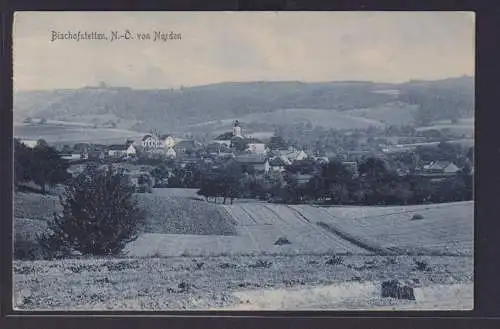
(444, 229)
(243, 225)
(312, 233)
(324, 221)
(269, 234)
(306, 232)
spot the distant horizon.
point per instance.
(108, 85)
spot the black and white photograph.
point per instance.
(249, 161)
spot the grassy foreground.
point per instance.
(209, 282)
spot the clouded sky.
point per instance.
(241, 46)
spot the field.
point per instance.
(391, 114)
(464, 126)
(72, 133)
(198, 255)
(227, 282)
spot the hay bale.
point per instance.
(397, 289)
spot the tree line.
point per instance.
(375, 183)
(41, 165)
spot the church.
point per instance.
(237, 130)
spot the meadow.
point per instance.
(198, 255)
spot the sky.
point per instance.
(240, 46)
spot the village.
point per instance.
(271, 159)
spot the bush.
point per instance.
(422, 266)
(99, 216)
(25, 249)
(335, 260)
(261, 264)
(281, 241)
(417, 217)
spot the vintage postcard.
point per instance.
(243, 161)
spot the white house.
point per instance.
(131, 150)
(446, 167)
(72, 157)
(117, 151)
(171, 153)
(293, 155)
(451, 168)
(168, 141)
(29, 143)
(151, 141)
(257, 148)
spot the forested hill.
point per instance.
(443, 99)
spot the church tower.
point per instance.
(237, 129)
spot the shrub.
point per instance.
(99, 215)
(335, 260)
(282, 241)
(422, 266)
(26, 250)
(417, 217)
(261, 264)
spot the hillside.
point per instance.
(169, 109)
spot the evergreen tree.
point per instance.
(100, 215)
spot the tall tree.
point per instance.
(48, 167)
(23, 161)
(277, 143)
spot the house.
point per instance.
(168, 141)
(170, 153)
(218, 148)
(322, 160)
(72, 157)
(292, 155)
(257, 148)
(222, 143)
(277, 164)
(255, 162)
(117, 151)
(29, 143)
(441, 167)
(151, 141)
(96, 153)
(352, 166)
(185, 147)
(131, 150)
(303, 178)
